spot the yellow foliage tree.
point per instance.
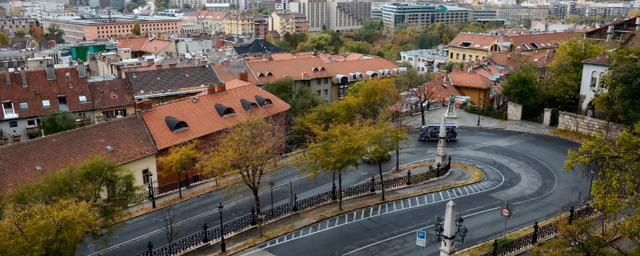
(178, 160)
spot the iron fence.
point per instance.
(249, 220)
(539, 233)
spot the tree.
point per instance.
(326, 41)
(85, 182)
(521, 87)
(37, 32)
(19, 34)
(58, 122)
(416, 84)
(4, 39)
(473, 27)
(136, 29)
(381, 138)
(355, 46)
(615, 166)
(370, 31)
(162, 4)
(247, 149)
(54, 33)
(178, 160)
(54, 228)
(335, 150)
(575, 239)
(563, 89)
(168, 223)
(301, 100)
(623, 87)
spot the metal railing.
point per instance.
(251, 219)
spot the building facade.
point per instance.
(288, 23)
(78, 29)
(333, 14)
(422, 16)
(14, 24)
(426, 60)
(520, 13)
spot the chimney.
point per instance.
(144, 105)
(244, 76)
(51, 72)
(211, 89)
(23, 77)
(82, 70)
(610, 33)
(7, 74)
(221, 88)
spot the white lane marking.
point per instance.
(402, 204)
(441, 197)
(465, 189)
(433, 197)
(379, 209)
(362, 214)
(386, 206)
(425, 198)
(370, 211)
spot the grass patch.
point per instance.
(570, 135)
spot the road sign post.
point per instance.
(421, 238)
(506, 213)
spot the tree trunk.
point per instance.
(256, 197)
(340, 189)
(424, 122)
(381, 179)
(180, 185)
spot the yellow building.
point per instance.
(467, 47)
(239, 23)
(288, 23)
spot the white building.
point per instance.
(591, 84)
(426, 60)
(333, 14)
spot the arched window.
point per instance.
(594, 79)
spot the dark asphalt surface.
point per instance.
(527, 162)
(533, 182)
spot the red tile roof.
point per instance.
(22, 162)
(543, 41)
(143, 44)
(201, 115)
(440, 86)
(111, 94)
(362, 65)
(67, 84)
(295, 68)
(527, 42)
(475, 41)
(464, 79)
(602, 60)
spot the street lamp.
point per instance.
(458, 236)
(223, 247)
(151, 195)
(593, 173)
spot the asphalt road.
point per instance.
(530, 177)
(529, 164)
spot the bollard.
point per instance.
(295, 203)
(253, 217)
(408, 177)
(373, 184)
(150, 248)
(534, 239)
(205, 237)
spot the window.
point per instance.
(457, 56)
(326, 92)
(594, 79)
(13, 124)
(62, 104)
(82, 99)
(146, 176)
(31, 122)
(464, 56)
(7, 107)
(319, 92)
(46, 104)
(24, 105)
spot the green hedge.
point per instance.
(489, 111)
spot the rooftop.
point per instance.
(110, 94)
(170, 79)
(116, 19)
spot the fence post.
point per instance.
(438, 169)
(205, 237)
(373, 184)
(571, 212)
(495, 248)
(295, 203)
(253, 217)
(150, 249)
(408, 177)
(449, 163)
(534, 239)
(151, 195)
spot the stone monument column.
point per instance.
(449, 226)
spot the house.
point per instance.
(28, 95)
(288, 22)
(125, 141)
(111, 99)
(476, 86)
(467, 47)
(161, 85)
(593, 70)
(356, 67)
(142, 45)
(205, 117)
(617, 34)
(426, 60)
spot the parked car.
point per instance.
(430, 132)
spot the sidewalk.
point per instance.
(471, 120)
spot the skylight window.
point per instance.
(224, 111)
(248, 105)
(263, 101)
(465, 44)
(175, 125)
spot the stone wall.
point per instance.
(587, 125)
(514, 111)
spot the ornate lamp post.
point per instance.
(151, 195)
(450, 231)
(223, 246)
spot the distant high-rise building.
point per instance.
(333, 14)
(422, 16)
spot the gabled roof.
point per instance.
(541, 41)
(474, 41)
(602, 60)
(122, 141)
(361, 65)
(441, 86)
(201, 116)
(170, 79)
(295, 68)
(472, 80)
(110, 94)
(521, 42)
(39, 88)
(256, 46)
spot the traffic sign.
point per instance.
(505, 212)
(421, 238)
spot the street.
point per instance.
(530, 164)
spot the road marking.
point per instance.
(354, 215)
(441, 197)
(402, 204)
(386, 206)
(425, 198)
(394, 206)
(433, 198)
(379, 209)
(371, 211)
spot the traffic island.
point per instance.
(461, 174)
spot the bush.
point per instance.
(489, 111)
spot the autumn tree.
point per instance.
(575, 239)
(86, 182)
(620, 100)
(335, 150)
(178, 160)
(19, 34)
(37, 32)
(381, 138)
(416, 85)
(248, 148)
(616, 168)
(53, 228)
(563, 89)
(136, 30)
(4, 39)
(522, 87)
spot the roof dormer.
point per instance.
(175, 125)
(224, 111)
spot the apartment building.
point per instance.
(333, 14)
(288, 22)
(420, 16)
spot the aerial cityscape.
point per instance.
(319, 127)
